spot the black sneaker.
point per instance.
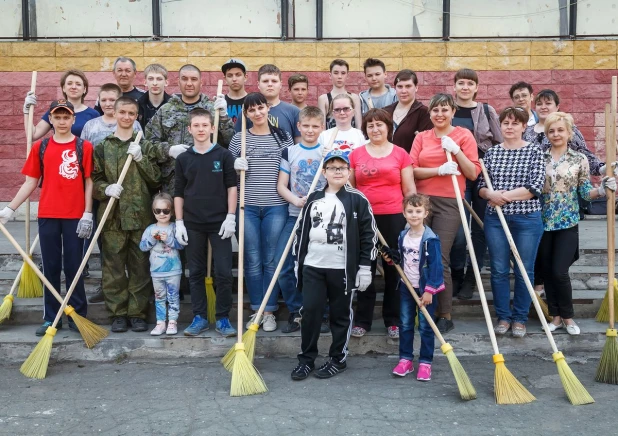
(41, 330)
(330, 368)
(468, 286)
(301, 371)
(97, 297)
(138, 325)
(86, 271)
(325, 327)
(119, 324)
(73, 326)
(293, 324)
(445, 325)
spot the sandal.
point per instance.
(502, 328)
(519, 330)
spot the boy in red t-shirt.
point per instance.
(65, 207)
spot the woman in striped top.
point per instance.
(265, 210)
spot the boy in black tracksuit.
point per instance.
(205, 198)
(334, 246)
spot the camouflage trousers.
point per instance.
(126, 296)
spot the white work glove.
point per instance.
(241, 164)
(135, 150)
(114, 190)
(449, 145)
(603, 168)
(607, 182)
(181, 233)
(221, 104)
(448, 168)
(6, 214)
(228, 228)
(30, 100)
(176, 150)
(84, 226)
(363, 278)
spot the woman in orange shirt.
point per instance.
(432, 173)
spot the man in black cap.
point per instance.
(235, 73)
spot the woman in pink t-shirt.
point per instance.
(433, 173)
(382, 171)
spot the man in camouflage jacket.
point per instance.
(168, 129)
(125, 297)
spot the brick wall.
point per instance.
(579, 71)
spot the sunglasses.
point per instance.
(513, 108)
(162, 211)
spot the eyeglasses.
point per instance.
(162, 211)
(342, 110)
(337, 169)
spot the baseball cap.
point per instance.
(337, 154)
(61, 104)
(234, 63)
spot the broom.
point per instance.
(7, 302)
(249, 336)
(507, 389)
(29, 286)
(466, 389)
(211, 297)
(246, 380)
(36, 364)
(607, 371)
(478, 220)
(573, 388)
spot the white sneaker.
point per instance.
(270, 323)
(572, 329)
(159, 329)
(172, 328)
(252, 319)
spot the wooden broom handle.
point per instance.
(475, 266)
(610, 150)
(241, 226)
(215, 135)
(413, 292)
(273, 281)
(29, 134)
(21, 270)
(93, 242)
(520, 264)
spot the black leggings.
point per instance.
(557, 252)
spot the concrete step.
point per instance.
(469, 337)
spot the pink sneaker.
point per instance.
(403, 368)
(159, 329)
(424, 372)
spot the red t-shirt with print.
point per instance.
(62, 194)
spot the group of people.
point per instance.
(381, 159)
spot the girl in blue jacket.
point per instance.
(420, 257)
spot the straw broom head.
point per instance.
(248, 338)
(246, 380)
(466, 390)
(5, 308)
(36, 364)
(607, 372)
(30, 285)
(91, 333)
(603, 313)
(507, 389)
(575, 391)
(211, 299)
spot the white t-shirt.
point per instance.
(345, 141)
(96, 130)
(327, 235)
(412, 258)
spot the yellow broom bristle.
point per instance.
(36, 364)
(466, 389)
(575, 391)
(603, 313)
(91, 333)
(6, 308)
(246, 380)
(607, 372)
(248, 337)
(507, 389)
(544, 309)
(211, 299)
(30, 285)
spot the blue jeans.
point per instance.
(408, 312)
(287, 280)
(263, 225)
(527, 230)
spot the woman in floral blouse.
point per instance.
(517, 171)
(566, 175)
